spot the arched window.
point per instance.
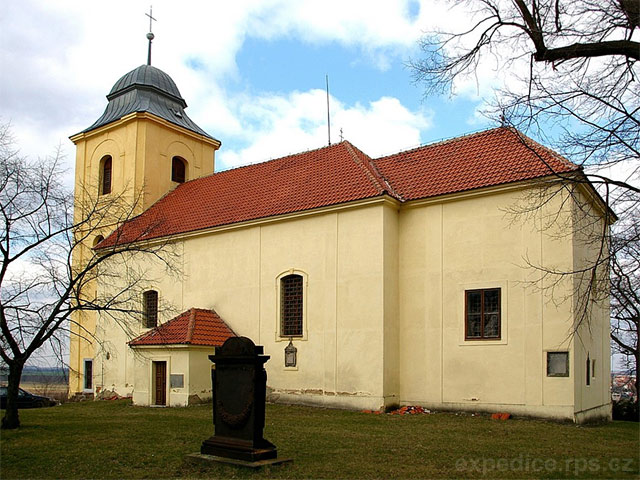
(97, 240)
(178, 170)
(291, 306)
(150, 309)
(105, 175)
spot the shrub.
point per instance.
(625, 410)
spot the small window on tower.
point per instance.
(105, 175)
(178, 170)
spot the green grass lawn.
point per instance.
(117, 440)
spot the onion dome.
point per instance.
(147, 89)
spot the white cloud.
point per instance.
(383, 127)
(59, 60)
(275, 126)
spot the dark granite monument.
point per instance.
(239, 389)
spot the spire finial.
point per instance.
(150, 35)
(328, 117)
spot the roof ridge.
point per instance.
(222, 320)
(383, 183)
(526, 139)
(191, 326)
(262, 162)
(441, 142)
(377, 182)
(340, 173)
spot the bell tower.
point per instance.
(144, 144)
(142, 147)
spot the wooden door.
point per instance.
(160, 382)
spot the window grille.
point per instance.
(150, 309)
(291, 298)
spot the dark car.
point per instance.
(26, 399)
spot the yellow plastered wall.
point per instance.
(341, 357)
(142, 147)
(200, 372)
(384, 304)
(593, 328)
(190, 361)
(447, 247)
(340, 256)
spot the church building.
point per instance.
(410, 279)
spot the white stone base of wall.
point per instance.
(600, 413)
(563, 413)
(343, 401)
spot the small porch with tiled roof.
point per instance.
(173, 366)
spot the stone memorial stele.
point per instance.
(239, 383)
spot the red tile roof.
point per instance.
(341, 173)
(193, 327)
(488, 158)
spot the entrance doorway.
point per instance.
(159, 383)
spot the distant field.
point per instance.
(59, 391)
(50, 382)
(113, 439)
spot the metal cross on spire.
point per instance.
(150, 35)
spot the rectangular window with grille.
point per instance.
(482, 314)
(150, 309)
(291, 313)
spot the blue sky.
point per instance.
(352, 78)
(252, 72)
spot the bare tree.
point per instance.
(42, 284)
(572, 69)
(577, 88)
(625, 292)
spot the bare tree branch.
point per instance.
(49, 267)
(572, 69)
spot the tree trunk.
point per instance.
(637, 357)
(11, 419)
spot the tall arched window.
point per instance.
(291, 306)
(178, 170)
(105, 175)
(150, 309)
